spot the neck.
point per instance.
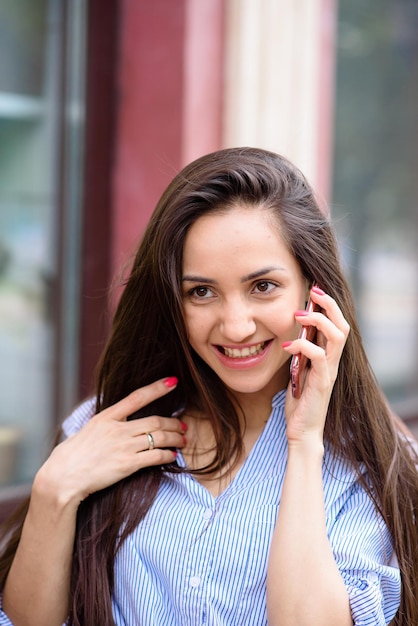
(257, 405)
(256, 408)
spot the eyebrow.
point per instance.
(193, 278)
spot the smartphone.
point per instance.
(299, 365)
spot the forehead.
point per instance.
(239, 236)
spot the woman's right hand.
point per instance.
(109, 447)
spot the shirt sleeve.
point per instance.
(79, 417)
(4, 620)
(364, 554)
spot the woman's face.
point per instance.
(241, 287)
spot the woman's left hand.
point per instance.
(306, 415)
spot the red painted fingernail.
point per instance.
(286, 344)
(171, 381)
(184, 426)
(175, 454)
(318, 290)
(301, 313)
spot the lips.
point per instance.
(243, 353)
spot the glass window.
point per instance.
(376, 183)
(37, 113)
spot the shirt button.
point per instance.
(195, 581)
(207, 514)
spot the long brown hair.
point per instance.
(149, 341)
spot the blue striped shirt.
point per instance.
(196, 560)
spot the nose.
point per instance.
(237, 321)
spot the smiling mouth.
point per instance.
(243, 353)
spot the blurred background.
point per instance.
(103, 101)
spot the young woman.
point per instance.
(194, 489)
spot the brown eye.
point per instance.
(263, 285)
(201, 292)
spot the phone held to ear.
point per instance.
(299, 365)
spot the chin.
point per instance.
(271, 386)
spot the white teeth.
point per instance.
(235, 353)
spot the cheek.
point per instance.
(196, 325)
(284, 325)
(294, 333)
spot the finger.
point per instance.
(325, 355)
(326, 348)
(331, 323)
(329, 334)
(155, 423)
(331, 309)
(302, 346)
(158, 456)
(140, 398)
(160, 439)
